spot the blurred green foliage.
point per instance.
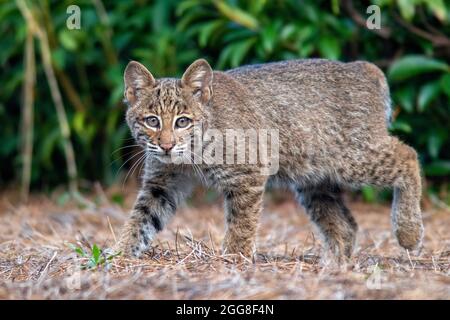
(166, 35)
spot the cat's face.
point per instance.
(163, 113)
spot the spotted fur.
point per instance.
(332, 119)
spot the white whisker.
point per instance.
(134, 156)
(133, 168)
(128, 146)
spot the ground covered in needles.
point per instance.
(53, 249)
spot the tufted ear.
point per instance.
(198, 77)
(136, 77)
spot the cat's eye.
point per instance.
(151, 122)
(182, 122)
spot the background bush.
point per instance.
(413, 47)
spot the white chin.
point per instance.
(164, 158)
(169, 158)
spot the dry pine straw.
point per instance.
(186, 263)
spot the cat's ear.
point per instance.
(136, 77)
(198, 78)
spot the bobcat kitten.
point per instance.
(332, 120)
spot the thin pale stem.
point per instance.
(27, 115)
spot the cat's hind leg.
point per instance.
(325, 207)
(406, 214)
(390, 163)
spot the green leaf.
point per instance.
(438, 8)
(438, 168)
(101, 261)
(48, 145)
(256, 6)
(407, 8)
(411, 66)
(237, 15)
(329, 47)
(77, 249)
(405, 97)
(369, 194)
(434, 145)
(427, 94)
(91, 263)
(207, 30)
(288, 31)
(118, 198)
(445, 84)
(240, 50)
(63, 199)
(67, 39)
(400, 125)
(80, 252)
(436, 140)
(96, 253)
(335, 6)
(114, 255)
(72, 246)
(235, 53)
(59, 58)
(238, 34)
(186, 5)
(78, 122)
(306, 50)
(269, 36)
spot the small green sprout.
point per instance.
(95, 258)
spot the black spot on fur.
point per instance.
(228, 195)
(156, 222)
(144, 237)
(158, 192)
(163, 196)
(232, 214)
(323, 198)
(312, 200)
(142, 208)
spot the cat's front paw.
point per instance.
(132, 244)
(124, 247)
(244, 249)
(130, 248)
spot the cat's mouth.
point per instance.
(164, 156)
